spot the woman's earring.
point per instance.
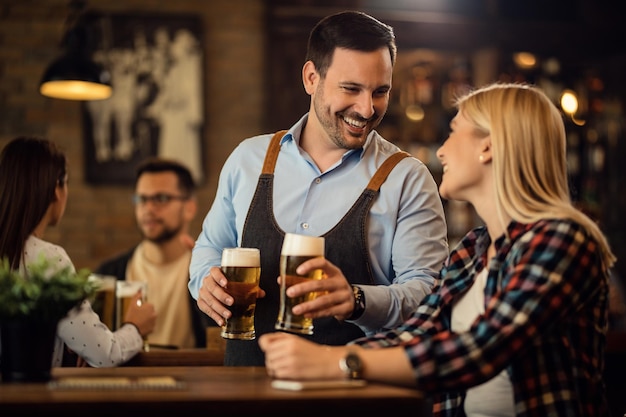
(481, 158)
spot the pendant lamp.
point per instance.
(74, 75)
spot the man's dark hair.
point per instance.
(186, 183)
(350, 30)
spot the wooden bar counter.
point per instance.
(198, 390)
(177, 357)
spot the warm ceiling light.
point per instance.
(525, 60)
(74, 76)
(414, 112)
(569, 102)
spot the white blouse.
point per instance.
(493, 398)
(81, 330)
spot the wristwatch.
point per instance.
(359, 303)
(351, 365)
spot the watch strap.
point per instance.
(359, 303)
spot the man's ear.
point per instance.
(190, 209)
(310, 77)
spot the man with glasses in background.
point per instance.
(165, 205)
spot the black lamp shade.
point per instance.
(76, 77)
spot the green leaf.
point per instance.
(42, 295)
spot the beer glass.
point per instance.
(242, 268)
(297, 249)
(103, 301)
(124, 293)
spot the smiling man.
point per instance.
(326, 176)
(165, 205)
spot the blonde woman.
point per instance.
(517, 323)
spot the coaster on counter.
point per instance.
(114, 382)
(306, 385)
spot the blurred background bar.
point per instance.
(251, 53)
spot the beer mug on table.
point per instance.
(124, 293)
(242, 269)
(297, 249)
(103, 301)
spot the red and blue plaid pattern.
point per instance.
(545, 322)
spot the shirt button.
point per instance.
(305, 226)
(318, 180)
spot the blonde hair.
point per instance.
(529, 155)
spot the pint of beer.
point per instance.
(103, 301)
(242, 268)
(297, 249)
(124, 293)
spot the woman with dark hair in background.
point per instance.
(33, 196)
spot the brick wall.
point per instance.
(99, 220)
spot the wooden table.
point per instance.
(177, 357)
(209, 390)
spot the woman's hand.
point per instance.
(142, 314)
(288, 356)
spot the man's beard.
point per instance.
(165, 236)
(332, 122)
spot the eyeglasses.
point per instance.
(158, 200)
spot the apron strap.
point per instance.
(381, 174)
(272, 152)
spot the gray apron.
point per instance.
(345, 244)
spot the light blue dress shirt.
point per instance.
(406, 229)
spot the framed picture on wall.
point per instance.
(156, 64)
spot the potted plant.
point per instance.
(30, 309)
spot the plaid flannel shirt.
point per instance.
(545, 322)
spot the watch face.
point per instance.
(353, 362)
(351, 365)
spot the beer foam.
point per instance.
(103, 282)
(302, 245)
(250, 257)
(129, 288)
